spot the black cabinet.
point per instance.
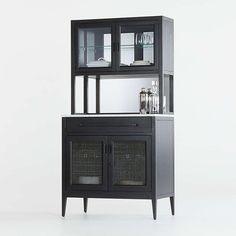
(101, 162)
(110, 46)
(127, 156)
(110, 163)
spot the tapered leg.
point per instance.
(172, 204)
(85, 204)
(64, 200)
(154, 208)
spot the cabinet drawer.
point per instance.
(108, 124)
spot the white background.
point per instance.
(35, 92)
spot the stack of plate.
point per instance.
(101, 62)
(141, 63)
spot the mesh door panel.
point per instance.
(129, 163)
(86, 164)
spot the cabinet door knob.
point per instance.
(105, 148)
(113, 47)
(118, 47)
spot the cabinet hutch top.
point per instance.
(123, 47)
(124, 19)
(113, 46)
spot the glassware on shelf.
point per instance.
(136, 45)
(147, 38)
(144, 38)
(154, 97)
(164, 104)
(139, 39)
(149, 108)
(143, 101)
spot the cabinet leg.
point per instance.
(64, 200)
(172, 204)
(154, 208)
(85, 204)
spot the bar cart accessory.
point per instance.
(143, 101)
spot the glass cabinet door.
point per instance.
(130, 163)
(137, 45)
(87, 162)
(94, 47)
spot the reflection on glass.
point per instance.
(94, 47)
(137, 45)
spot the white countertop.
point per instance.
(118, 115)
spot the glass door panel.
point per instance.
(87, 166)
(137, 45)
(94, 47)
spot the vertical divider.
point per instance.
(72, 94)
(171, 88)
(159, 41)
(98, 94)
(74, 53)
(85, 94)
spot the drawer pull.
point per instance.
(108, 125)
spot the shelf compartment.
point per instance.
(93, 44)
(136, 44)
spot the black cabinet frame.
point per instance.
(115, 25)
(156, 131)
(163, 57)
(159, 168)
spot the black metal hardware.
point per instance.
(110, 148)
(114, 47)
(97, 94)
(85, 94)
(118, 47)
(108, 125)
(105, 149)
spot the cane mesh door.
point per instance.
(86, 162)
(129, 163)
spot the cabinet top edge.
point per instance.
(122, 19)
(119, 115)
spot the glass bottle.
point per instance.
(155, 97)
(149, 108)
(143, 101)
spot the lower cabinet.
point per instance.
(120, 164)
(110, 163)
